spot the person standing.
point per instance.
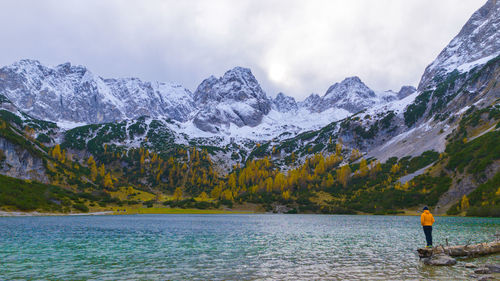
(426, 219)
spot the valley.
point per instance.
(72, 141)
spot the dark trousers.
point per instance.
(428, 234)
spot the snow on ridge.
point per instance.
(68, 125)
(470, 65)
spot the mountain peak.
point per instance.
(477, 42)
(350, 84)
(73, 93)
(351, 94)
(406, 91)
(352, 79)
(237, 83)
(239, 69)
(284, 103)
(26, 62)
(236, 98)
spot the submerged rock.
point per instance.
(470, 265)
(439, 260)
(493, 267)
(482, 270)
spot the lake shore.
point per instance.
(150, 211)
(43, 214)
(156, 210)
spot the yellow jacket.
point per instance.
(426, 218)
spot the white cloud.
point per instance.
(296, 47)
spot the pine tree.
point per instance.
(269, 184)
(395, 168)
(464, 203)
(177, 194)
(108, 181)
(56, 152)
(62, 157)
(355, 154)
(93, 169)
(203, 196)
(286, 194)
(279, 182)
(102, 171)
(406, 186)
(216, 191)
(232, 182)
(363, 168)
(142, 160)
(338, 148)
(343, 174)
(320, 167)
(228, 195)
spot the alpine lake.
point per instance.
(232, 247)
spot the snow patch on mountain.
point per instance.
(232, 106)
(476, 43)
(235, 98)
(67, 93)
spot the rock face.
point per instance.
(406, 91)
(73, 93)
(310, 102)
(351, 94)
(284, 103)
(476, 43)
(68, 93)
(19, 163)
(235, 98)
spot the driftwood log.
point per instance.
(474, 250)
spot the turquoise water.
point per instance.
(230, 247)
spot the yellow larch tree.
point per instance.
(93, 168)
(102, 171)
(343, 174)
(464, 203)
(177, 194)
(108, 181)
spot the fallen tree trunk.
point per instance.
(475, 250)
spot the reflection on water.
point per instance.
(229, 247)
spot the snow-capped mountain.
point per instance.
(310, 102)
(405, 91)
(233, 105)
(235, 98)
(477, 42)
(67, 93)
(351, 94)
(284, 103)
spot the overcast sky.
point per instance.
(296, 47)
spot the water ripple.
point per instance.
(229, 247)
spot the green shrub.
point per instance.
(81, 207)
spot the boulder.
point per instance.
(470, 265)
(482, 270)
(495, 268)
(440, 260)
